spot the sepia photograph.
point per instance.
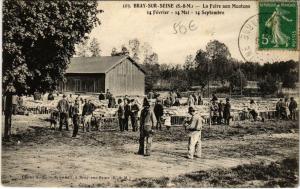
(150, 94)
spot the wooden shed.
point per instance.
(120, 74)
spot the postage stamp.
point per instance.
(277, 25)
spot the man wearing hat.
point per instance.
(226, 112)
(159, 112)
(147, 122)
(75, 117)
(194, 127)
(63, 108)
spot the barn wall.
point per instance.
(94, 83)
(125, 79)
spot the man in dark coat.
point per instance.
(127, 109)
(147, 122)
(292, 108)
(76, 118)
(226, 112)
(221, 110)
(63, 108)
(159, 112)
(121, 115)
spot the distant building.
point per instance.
(120, 74)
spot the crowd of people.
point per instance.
(286, 109)
(145, 119)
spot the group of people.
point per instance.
(220, 112)
(286, 109)
(127, 111)
(150, 119)
(71, 111)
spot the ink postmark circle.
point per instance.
(248, 44)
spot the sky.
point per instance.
(119, 25)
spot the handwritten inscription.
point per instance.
(183, 28)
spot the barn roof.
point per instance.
(101, 64)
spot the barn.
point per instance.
(120, 74)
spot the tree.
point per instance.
(134, 46)
(219, 56)
(238, 80)
(82, 48)
(39, 38)
(95, 47)
(268, 85)
(289, 80)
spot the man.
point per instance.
(226, 112)
(76, 117)
(194, 127)
(220, 110)
(127, 113)
(134, 114)
(147, 122)
(121, 115)
(214, 112)
(63, 108)
(87, 111)
(159, 112)
(292, 108)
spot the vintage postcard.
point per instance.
(142, 94)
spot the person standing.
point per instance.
(134, 114)
(63, 108)
(159, 112)
(76, 117)
(214, 112)
(292, 108)
(121, 115)
(220, 110)
(226, 112)
(194, 127)
(87, 112)
(147, 122)
(127, 109)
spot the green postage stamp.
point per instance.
(277, 25)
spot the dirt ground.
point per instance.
(242, 155)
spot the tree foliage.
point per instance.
(268, 85)
(95, 47)
(39, 38)
(238, 80)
